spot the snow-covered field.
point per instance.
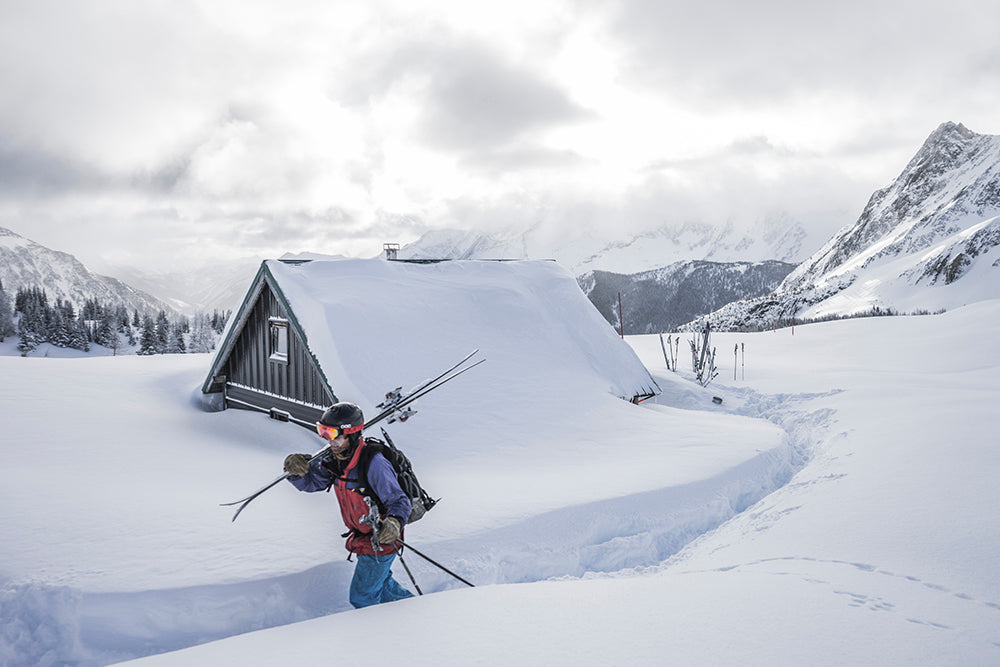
(839, 507)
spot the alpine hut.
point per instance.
(310, 333)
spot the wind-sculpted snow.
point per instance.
(39, 624)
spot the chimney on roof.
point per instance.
(391, 250)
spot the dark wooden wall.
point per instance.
(249, 364)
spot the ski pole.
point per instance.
(409, 574)
(435, 563)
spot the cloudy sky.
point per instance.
(162, 131)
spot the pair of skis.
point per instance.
(392, 409)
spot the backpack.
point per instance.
(419, 498)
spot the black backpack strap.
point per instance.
(372, 447)
(407, 477)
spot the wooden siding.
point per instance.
(303, 415)
(249, 362)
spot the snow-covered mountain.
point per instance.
(25, 263)
(667, 276)
(659, 300)
(776, 237)
(930, 240)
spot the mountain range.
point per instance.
(654, 262)
(928, 241)
(664, 277)
(774, 237)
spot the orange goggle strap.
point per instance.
(330, 432)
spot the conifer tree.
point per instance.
(30, 326)
(162, 332)
(35, 321)
(147, 340)
(202, 335)
(176, 344)
(105, 333)
(6, 315)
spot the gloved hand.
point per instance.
(389, 531)
(297, 464)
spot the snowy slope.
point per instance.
(882, 549)
(25, 263)
(951, 185)
(928, 241)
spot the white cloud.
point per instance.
(261, 127)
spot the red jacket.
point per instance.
(384, 491)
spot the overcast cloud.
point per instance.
(156, 133)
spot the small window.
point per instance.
(279, 340)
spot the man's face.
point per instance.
(338, 444)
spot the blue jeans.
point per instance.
(373, 582)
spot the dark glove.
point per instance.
(389, 531)
(297, 464)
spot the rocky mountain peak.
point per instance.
(954, 177)
(929, 240)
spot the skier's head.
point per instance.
(340, 420)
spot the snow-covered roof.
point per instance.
(370, 321)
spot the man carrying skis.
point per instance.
(344, 469)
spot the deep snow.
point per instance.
(838, 507)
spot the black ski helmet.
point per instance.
(344, 416)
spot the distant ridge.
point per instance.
(660, 300)
(25, 263)
(776, 237)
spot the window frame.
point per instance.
(278, 339)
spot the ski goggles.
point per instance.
(331, 432)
